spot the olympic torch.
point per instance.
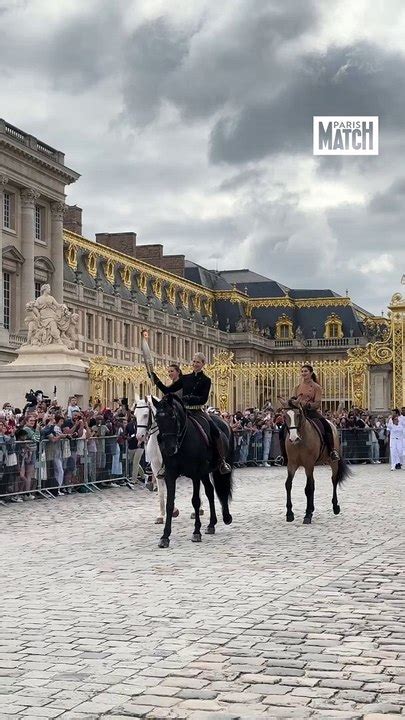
(147, 355)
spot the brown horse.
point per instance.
(305, 448)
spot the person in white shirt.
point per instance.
(396, 431)
(73, 407)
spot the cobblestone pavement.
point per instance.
(265, 619)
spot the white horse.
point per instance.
(145, 412)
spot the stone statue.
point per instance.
(68, 324)
(50, 322)
(299, 335)
(228, 325)
(240, 325)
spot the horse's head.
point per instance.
(143, 417)
(169, 414)
(294, 420)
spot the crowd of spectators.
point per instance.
(45, 447)
(364, 436)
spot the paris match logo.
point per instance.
(345, 135)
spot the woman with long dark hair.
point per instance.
(309, 394)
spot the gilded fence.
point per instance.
(241, 385)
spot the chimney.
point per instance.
(72, 219)
(174, 264)
(151, 254)
(124, 242)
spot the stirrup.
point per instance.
(224, 468)
(334, 455)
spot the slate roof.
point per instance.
(257, 286)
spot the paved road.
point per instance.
(265, 619)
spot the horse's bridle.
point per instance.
(148, 426)
(179, 434)
(295, 427)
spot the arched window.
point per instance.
(333, 327)
(284, 328)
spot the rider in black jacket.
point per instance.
(195, 387)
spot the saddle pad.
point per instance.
(318, 427)
(200, 428)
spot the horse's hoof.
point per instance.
(227, 518)
(164, 543)
(159, 521)
(336, 509)
(289, 517)
(307, 520)
(210, 530)
(201, 511)
(176, 512)
(196, 537)
(192, 516)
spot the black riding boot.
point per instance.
(281, 437)
(223, 467)
(330, 443)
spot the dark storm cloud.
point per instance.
(358, 80)
(72, 55)
(202, 70)
(152, 54)
(392, 200)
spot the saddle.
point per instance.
(319, 427)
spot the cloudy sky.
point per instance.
(191, 124)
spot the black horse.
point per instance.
(188, 450)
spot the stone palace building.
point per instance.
(119, 287)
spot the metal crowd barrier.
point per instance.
(260, 447)
(50, 468)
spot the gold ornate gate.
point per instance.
(397, 308)
(242, 385)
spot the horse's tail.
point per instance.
(223, 484)
(343, 471)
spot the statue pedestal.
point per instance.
(41, 368)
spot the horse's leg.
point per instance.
(335, 504)
(288, 486)
(170, 480)
(161, 493)
(309, 492)
(196, 505)
(209, 491)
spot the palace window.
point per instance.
(109, 331)
(9, 211)
(127, 335)
(89, 326)
(39, 222)
(187, 350)
(333, 327)
(38, 286)
(159, 343)
(173, 346)
(6, 299)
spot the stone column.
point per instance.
(4, 334)
(57, 210)
(29, 196)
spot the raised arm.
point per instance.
(166, 389)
